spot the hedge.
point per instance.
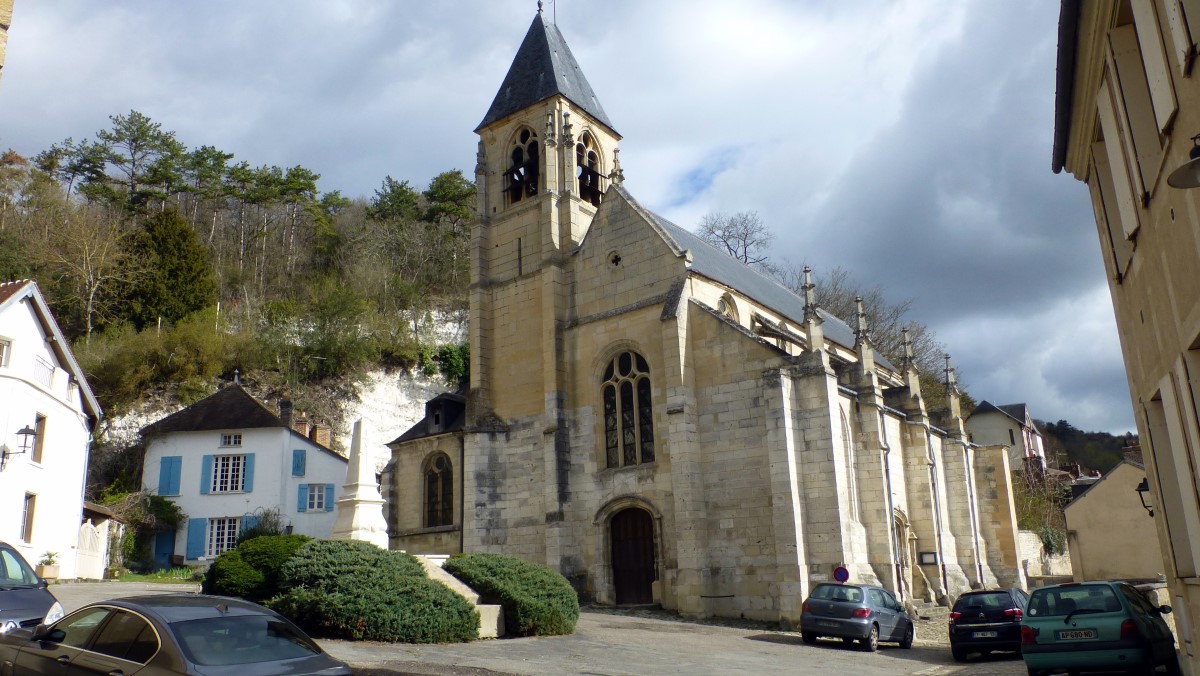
(354, 590)
(536, 600)
(251, 571)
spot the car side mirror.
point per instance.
(41, 632)
(1165, 610)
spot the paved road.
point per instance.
(624, 643)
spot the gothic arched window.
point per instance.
(628, 412)
(521, 178)
(439, 492)
(587, 169)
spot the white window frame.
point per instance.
(231, 440)
(221, 535)
(228, 474)
(316, 497)
(5, 352)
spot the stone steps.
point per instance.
(931, 611)
(491, 617)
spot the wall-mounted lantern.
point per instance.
(1142, 489)
(26, 437)
(1188, 174)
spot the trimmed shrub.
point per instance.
(230, 575)
(267, 554)
(536, 600)
(354, 590)
(412, 610)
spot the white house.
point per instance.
(227, 459)
(1009, 425)
(43, 392)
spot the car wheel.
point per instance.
(907, 641)
(871, 642)
(960, 654)
(1033, 672)
(808, 638)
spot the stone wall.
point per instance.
(6, 12)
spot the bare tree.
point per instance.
(741, 235)
(86, 254)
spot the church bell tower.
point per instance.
(547, 153)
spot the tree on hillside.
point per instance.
(394, 201)
(177, 279)
(87, 257)
(144, 159)
(451, 200)
(742, 235)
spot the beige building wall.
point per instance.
(6, 15)
(1128, 103)
(1109, 534)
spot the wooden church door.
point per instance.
(632, 533)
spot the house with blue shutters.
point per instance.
(228, 459)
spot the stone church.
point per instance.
(659, 422)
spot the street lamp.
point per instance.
(27, 436)
(1188, 175)
(1142, 489)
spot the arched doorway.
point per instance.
(632, 538)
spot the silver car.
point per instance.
(855, 612)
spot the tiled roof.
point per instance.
(719, 266)
(543, 67)
(454, 407)
(10, 289)
(230, 408)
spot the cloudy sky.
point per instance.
(907, 141)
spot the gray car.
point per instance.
(24, 599)
(855, 612)
(167, 634)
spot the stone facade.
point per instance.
(662, 424)
(6, 12)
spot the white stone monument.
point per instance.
(360, 509)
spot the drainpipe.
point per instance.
(462, 483)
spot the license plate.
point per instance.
(1076, 634)
(984, 634)
(826, 623)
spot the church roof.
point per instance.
(719, 266)
(543, 67)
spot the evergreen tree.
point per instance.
(177, 280)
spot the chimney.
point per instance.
(322, 434)
(301, 424)
(285, 412)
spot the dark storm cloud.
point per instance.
(907, 141)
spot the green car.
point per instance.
(1096, 626)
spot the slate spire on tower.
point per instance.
(543, 67)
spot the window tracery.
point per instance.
(628, 411)
(587, 169)
(439, 492)
(521, 178)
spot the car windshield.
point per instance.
(14, 572)
(985, 601)
(220, 641)
(1059, 601)
(837, 592)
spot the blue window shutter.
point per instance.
(206, 465)
(302, 498)
(195, 538)
(298, 462)
(168, 475)
(249, 483)
(328, 497)
(249, 521)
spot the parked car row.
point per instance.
(1072, 627)
(152, 635)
